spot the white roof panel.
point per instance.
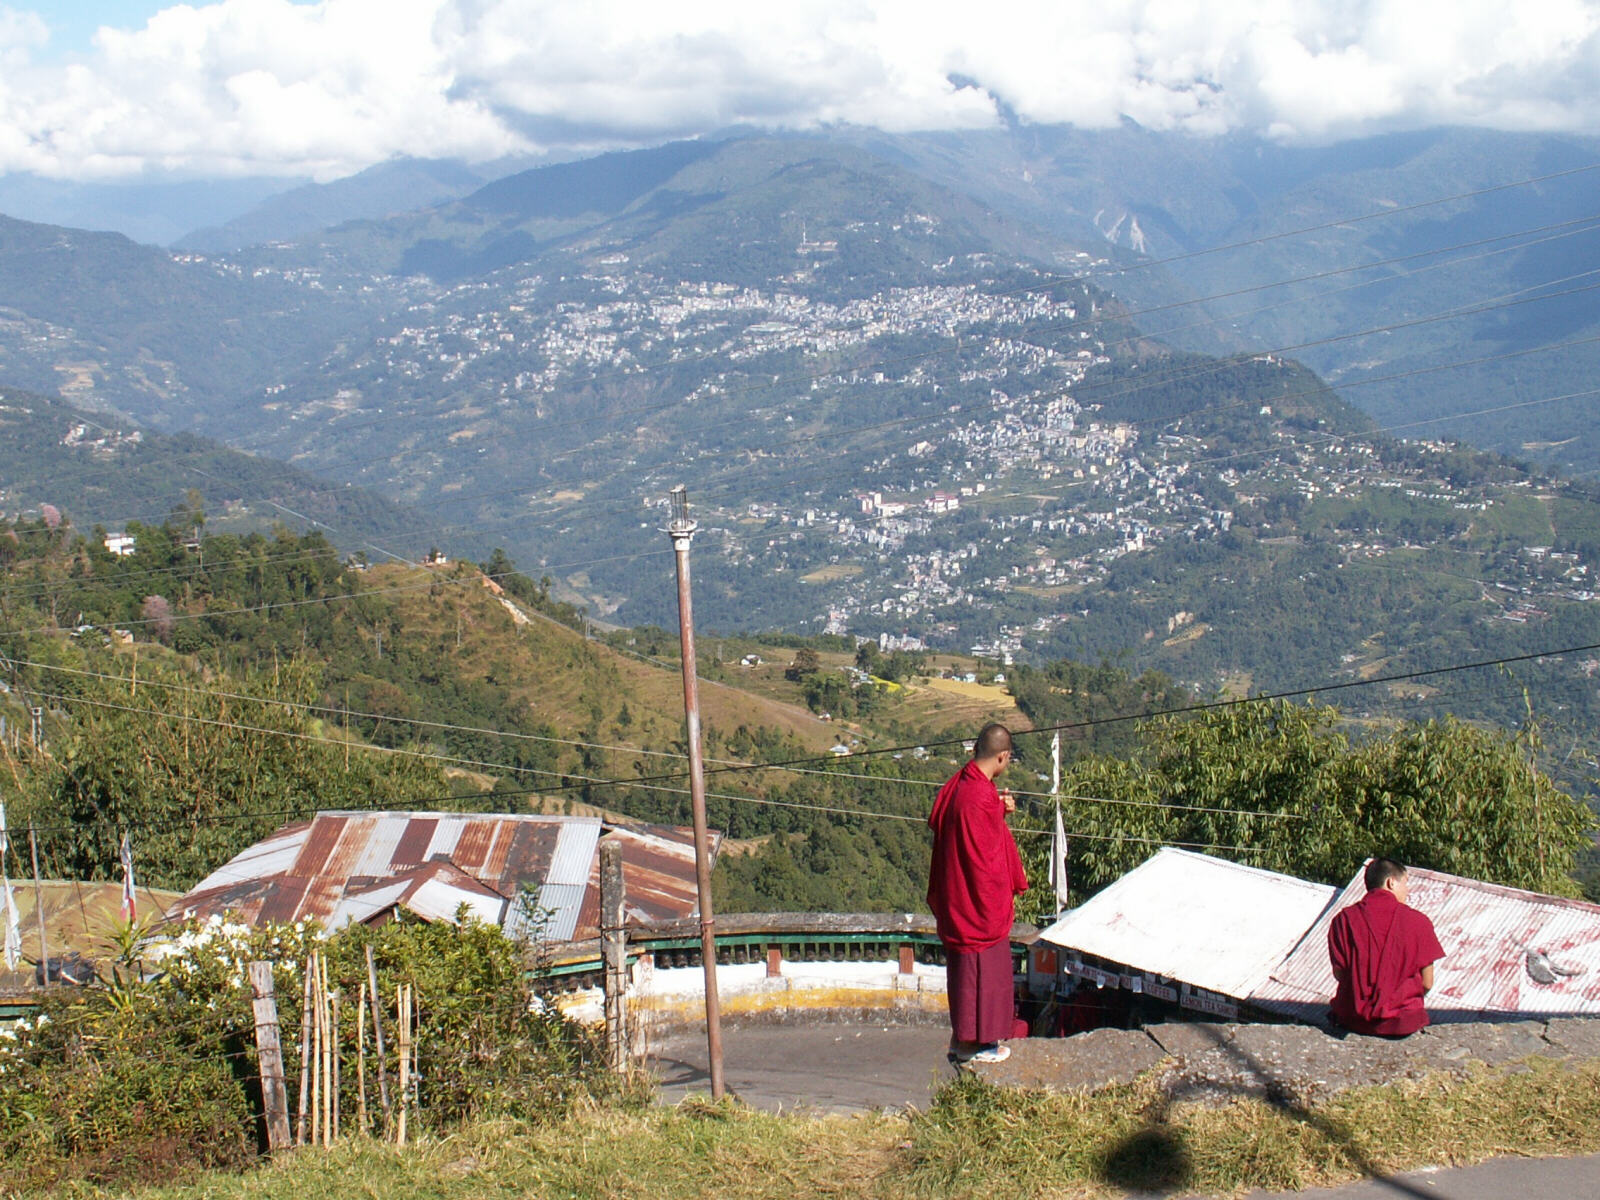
(1197, 919)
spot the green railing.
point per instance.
(750, 937)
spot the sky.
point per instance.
(117, 89)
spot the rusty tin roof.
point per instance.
(359, 866)
(1487, 932)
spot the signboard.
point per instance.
(1094, 974)
(1160, 991)
(1206, 1004)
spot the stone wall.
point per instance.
(1213, 1063)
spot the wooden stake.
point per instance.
(316, 1051)
(377, 1039)
(361, 1061)
(334, 1024)
(326, 1042)
(305, 1060)
(416, 1046)
(269, 1052)
(403, 1021)
(614, 949)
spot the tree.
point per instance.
(1276, 785)
(805, 663)
(156, 613)
(194, 775)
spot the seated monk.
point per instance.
(1382, 953)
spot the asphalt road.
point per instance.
(819, 1068)
(1522, 1178)
(854, 1068)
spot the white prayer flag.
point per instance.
(1058, 863)
(13, 951)
(13, 928)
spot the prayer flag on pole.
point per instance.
(13, 951)
(1059, 875)
(130, 906)
(1058, 841)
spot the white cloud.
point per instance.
(253, 86)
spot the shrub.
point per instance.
(151, 1074)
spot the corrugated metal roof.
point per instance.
(273, 855)
(658, 870)
(1204, 921)
(340, 867)
(567, 880)
(1487, 931)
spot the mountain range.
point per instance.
(957, 386)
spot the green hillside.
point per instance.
(131, 328)
(104, 471)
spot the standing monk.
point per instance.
(1382, 952)
(972, 885)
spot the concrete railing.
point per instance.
(772, 967)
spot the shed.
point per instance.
(341, 867)
(1487, 931)
(1188, 929)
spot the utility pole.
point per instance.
(681, 531)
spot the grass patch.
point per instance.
(832, 573)
(696, 1149)
(979, 1140)
(976, 1141)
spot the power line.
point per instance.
(584, 782)
(332, 711)
(1180, 710)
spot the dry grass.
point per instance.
(832, 573)
(976, 1141)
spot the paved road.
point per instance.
(824, 1068)
(852, 1068)
(1524, 1178)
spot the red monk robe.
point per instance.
(976, 871)
(972, 884)
(1378, 948)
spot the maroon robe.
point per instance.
(976, 870)
(1378, 948)
(972, 885)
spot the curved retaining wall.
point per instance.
(1214, 1063)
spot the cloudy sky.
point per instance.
(289, 87)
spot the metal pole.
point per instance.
(681, 531)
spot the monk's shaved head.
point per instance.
(1381, 870)
(993, 740)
